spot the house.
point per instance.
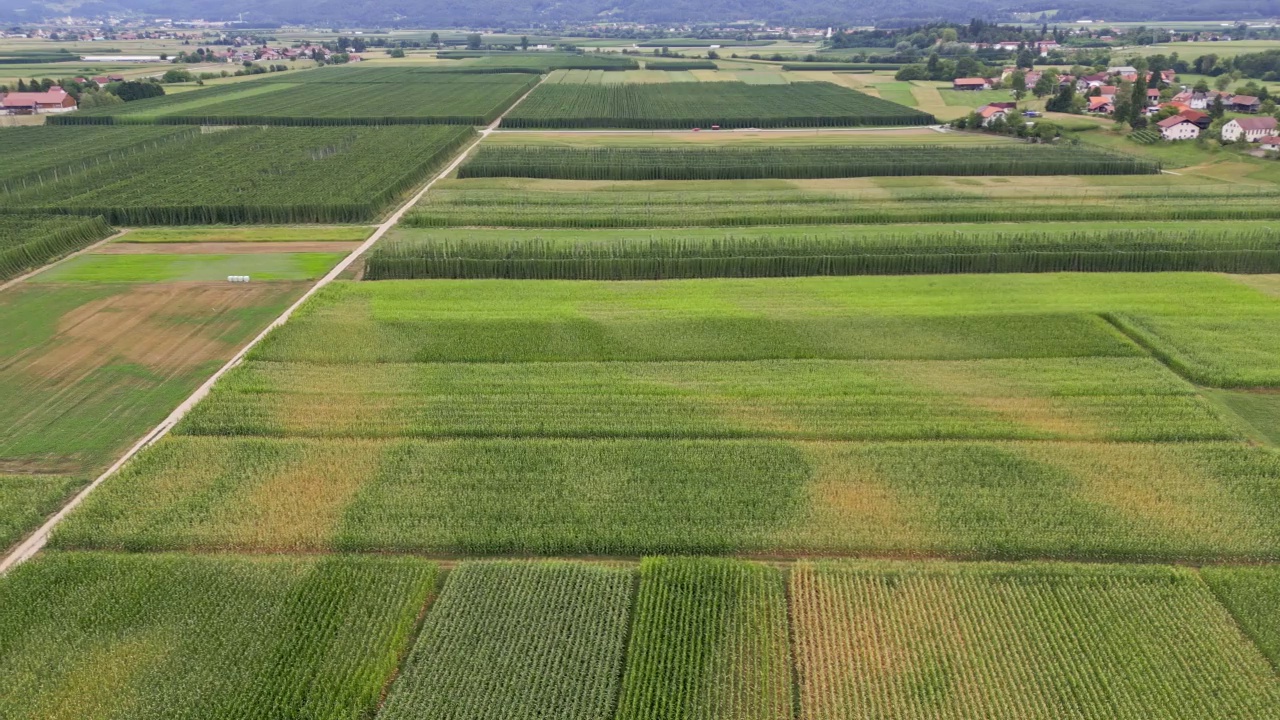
(1104, 105)
(1199, 119)
(1044, 47)
(971, 84)
(1178, 128)
(1249, 129)
(1087, 82)
(1270, 143)
(1244, 103)
(1123, 70)
(992, 111)
(1108, 91)
(53, 100)
(101, 81)
(1153, 97)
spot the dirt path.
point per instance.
(225, 248)
(32, 544)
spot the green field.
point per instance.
(518, 640)
(938, 641)
(791, 161)
(133, 636)
(709, 640)
(271, 175)
(726, 104)
(432, 98)
(159, 267)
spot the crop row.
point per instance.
(674, 65)
(430, 99)
(787, 162)
(1122, 399)
(542, 61)
(1197, 502)
(726, 104)
(1248, 251)
(281, 175)
(30, 241)
(143, 636)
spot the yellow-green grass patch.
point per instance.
(157, 267)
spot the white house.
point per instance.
(1271, 143)
(1251, 129)
(1178, 128)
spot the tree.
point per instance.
(1026, 59)
(177, 75)
(949, 35)
(1138, 100)
(435, 39)
(1216, 110)
(396, 53)
(524, 42)
(1046, 85)
(133, 90)
(1064, 101)
(473, 41)
(98, 99)
(1222, 82)
(1019, 84)
(1201, 86)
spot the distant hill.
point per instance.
(490, 13)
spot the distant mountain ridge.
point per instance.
(524, 13)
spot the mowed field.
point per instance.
(859, 418)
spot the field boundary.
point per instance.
(82, 251)
(33, 543)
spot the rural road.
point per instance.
(33, 543)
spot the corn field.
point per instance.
(264, 175)
(30, 241)
(1246, 251)
(708, 641)
(686, 105)
(738, 163)
(1033, 642)
(518, 640)
(192, 637)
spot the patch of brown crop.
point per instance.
(169, 329)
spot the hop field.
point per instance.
(38, 154)
(1033, 641)
(540, 61)
(423, 99)
(518, 640)
(101, 635)
(793, 161)
(283, 175)
(31, 241)
(709, 640)
(599, 256)
(685, 105)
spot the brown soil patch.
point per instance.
(1268, 284)
(851, 500)
(224, 248)
(168, 329)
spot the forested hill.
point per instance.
(491, 13)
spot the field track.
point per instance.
(32, 544)
(59, 261)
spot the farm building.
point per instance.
(1102, 104)
(1245, 103)
(54, 100)
(1249, 129)
(971, 84)
(990, 113)
(1270, 142)
(1178, 128)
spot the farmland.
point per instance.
(684, 105)
(436, 98)
(518, 640)
(1030, 642)
(850, 417)
(191, 637)
(281, 175)
(731, 163)
(851, 250)
(30, 241)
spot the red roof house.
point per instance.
(53, 100)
